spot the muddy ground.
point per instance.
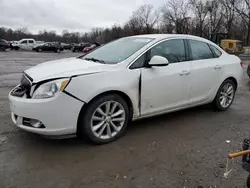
(177, 150)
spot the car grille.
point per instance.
(24, 87)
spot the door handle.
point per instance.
(184, 73)
(217, 67)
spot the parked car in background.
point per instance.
(38, 43)
(49, 46)
(66, 46)
(3, 45)
(26, 44)
(80, 47)
(90, 48)
(97, 94)
(14, 45)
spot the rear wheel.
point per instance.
(225, 95)
(40, 50)
(105, 119)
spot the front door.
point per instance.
(168, 87)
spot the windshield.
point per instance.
(119, 50)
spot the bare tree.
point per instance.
(215, 16)
(228, 13)
(146, 17)
(200, 9)
(243, 9)
(175, 15)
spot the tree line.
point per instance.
(195, 17)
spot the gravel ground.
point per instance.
(177, 150)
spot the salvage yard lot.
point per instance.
(182, 149)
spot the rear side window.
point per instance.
(217, 53)
(31, 41)
(200, 50)
(24, 42)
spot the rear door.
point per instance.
(205, 71)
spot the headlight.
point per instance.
(50, 89)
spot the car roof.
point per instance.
(165, 36)
(158, 37)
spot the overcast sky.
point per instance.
(73, 15)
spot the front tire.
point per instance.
(105, 119)
(225, 95)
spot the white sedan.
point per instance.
(96, 95)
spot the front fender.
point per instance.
(87, 87)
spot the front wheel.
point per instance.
(225, 95)
(105, 119)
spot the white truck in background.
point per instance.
(24, 44)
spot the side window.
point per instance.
(200, 50)
(139, 63)
(217, 53)
(31, 41)
(173, 50)
(24, 42)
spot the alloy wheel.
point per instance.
(108, 119)
(227, 95)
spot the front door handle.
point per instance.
(184, 73)
(217, 67)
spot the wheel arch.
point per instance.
(234, 81)
(117, 92)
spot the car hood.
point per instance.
(65, 68)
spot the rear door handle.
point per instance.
(184, 73)
(217, 67)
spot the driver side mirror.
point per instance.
(158, 61)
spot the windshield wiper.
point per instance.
(95, 60)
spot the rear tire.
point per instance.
(39, 50)
(107, 126)
(225, 95)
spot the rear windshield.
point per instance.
(118, 50)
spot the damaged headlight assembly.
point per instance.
(50, 89)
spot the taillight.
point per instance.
(241, 64)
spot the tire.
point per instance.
(227, 98)
(16, 48)
(40, 50)
(110, 128)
